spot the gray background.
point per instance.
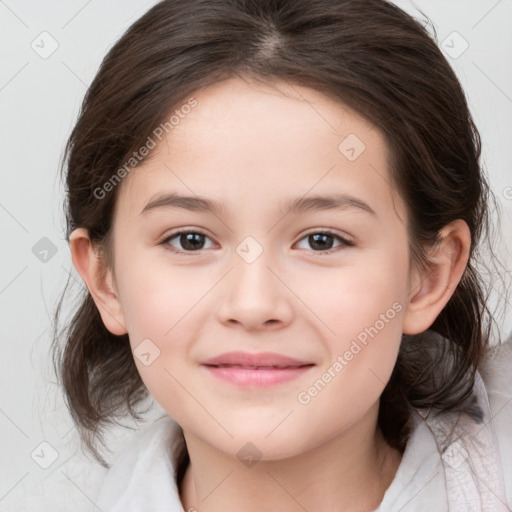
(40, 94)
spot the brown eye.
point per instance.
(187, 241)
(323, 241)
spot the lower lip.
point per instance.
(257, 378)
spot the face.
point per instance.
(324, 283)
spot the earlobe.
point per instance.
(430, 290)
(98, 279)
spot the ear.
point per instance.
(430, 290)
(99, 280)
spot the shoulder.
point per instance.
(496, 372)
(146, 465)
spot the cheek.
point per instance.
(361, 358)
(156, 297)
(362, 308)
(365, 295)
(160, 305)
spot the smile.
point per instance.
(257, 376)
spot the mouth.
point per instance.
(256, 370)
(254, 367)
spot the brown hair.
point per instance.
(368, 54)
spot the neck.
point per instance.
(350, 472)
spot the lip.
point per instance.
(256, 370)
(250, 360)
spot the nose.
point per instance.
(255, 297)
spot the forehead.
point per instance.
(264, 142)
(250, 111)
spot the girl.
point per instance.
(276, 207)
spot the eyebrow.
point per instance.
(296, 205)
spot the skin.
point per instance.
(252, 145)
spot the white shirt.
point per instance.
(472, 474)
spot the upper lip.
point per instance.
(266, 359)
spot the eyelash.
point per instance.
(167, 239)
